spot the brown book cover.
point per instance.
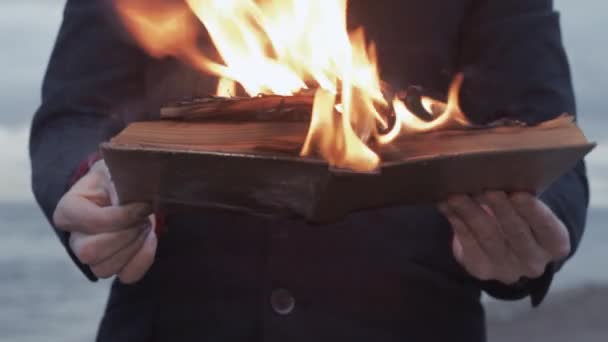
(255, 167)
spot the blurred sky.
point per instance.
(28, 29)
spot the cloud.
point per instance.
(27, 33)
(597, 171)
(15, 166)
(585, 45)
(18, 102)
(597, 168)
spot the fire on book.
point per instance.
(287, 47)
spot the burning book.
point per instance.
(302, 123)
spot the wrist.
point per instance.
(534, 288)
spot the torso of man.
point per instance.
(379, 275)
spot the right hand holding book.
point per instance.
(111, 239)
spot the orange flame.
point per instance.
(283, 47)
(450, 117)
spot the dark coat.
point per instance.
(383, 275)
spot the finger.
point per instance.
(531, 256)
(486, 231)
(94, 249)
(137, 267)
(549, 231)
(111, 190)
(94, 185)
(471, 256)
(115, 263)
(483, 227)
(457, 249)
(79, 214)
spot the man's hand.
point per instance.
(505, 237)
(111, 239)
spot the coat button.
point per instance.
(282, 302)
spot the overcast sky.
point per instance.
(28, 28)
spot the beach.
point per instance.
(576, 314)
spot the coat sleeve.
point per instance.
(515, 66)
(92, 83)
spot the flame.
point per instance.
(162, 29)
(226, 88)
(283, 47)
(450, 117)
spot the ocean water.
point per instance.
(44, 297)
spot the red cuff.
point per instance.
(84, 167)
(161, 221)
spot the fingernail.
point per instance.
(488, 210)
(152, 235)
(146, 230)
(457, 247)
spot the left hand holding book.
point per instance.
(505, 237)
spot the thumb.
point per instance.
(457, 249)
(112, 194)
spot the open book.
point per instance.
(255, 166)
